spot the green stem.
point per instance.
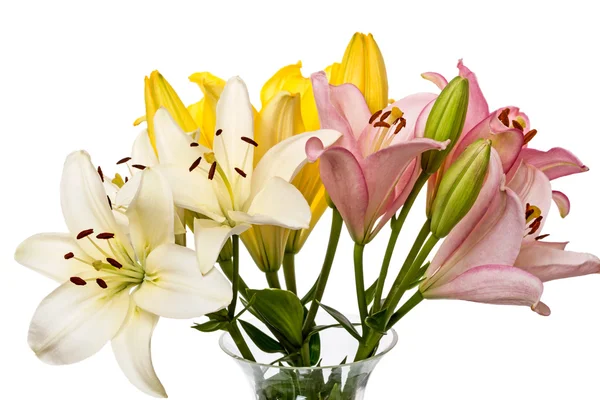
(227, 268)
(273, 279)
(359, 278)
(239, 341)
(396, 228)
(235, 281)
(289, 271)
(334, 238)
(405, 309)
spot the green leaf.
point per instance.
(377, 321)
(370, 292)
(261, 339)
(282, 310)
(336, 393)
(247, 305)
(211, 326)
(314, 345)
(346, 324)
(220, 315)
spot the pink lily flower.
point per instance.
(370, 171)
(475, 261)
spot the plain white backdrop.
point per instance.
(72, 78)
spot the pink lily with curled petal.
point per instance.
(372, 168)
(475, 262)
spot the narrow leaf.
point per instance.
(377, 321)
(341, 318)
(210, 326)
(261, 339)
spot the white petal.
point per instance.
(279, 203)
(234, 118)
(85, 205)
(174, 288)
(75, 322)
(132, 347)
(172, 144)
(193, 191)
(210, 237)
(127, 192)
(287, 157)
(151, 214)
(142, 152)
(45, 253)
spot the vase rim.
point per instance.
(377, 356)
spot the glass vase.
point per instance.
(334, 378)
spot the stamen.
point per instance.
(529, 135)
(78, 281)
(239, 171)
(126, 179)
(101, 173)
(195, 163)
(69, 255)
(528, 213)
(114, 263)
(381, 124)
(400, 125)
(385, 115)
(105, 235)
(218, 132)
(123, 160)
(503, 117)
(84, 233)
(109, 201)
(139, 166)
(542, 236)
(248, 140)
(213, 168)
(101, 283)
(517, 125)
(535, 225)
(374, 116)
(194, 144)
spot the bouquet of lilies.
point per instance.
(226, 172)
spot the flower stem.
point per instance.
(289, 271)
(334, 238)
(405, 309)
(359, 278)
(227, 268)
(396, 228)
(235, 281)
(239, 341)
(273, 279)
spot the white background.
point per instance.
(72, 78)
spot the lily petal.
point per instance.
(548, 263)
(142, 152)
(74, 322)
(493, 284)
(132, 346)
(562, 202)
(436, 78)
(172, 144)
(478, 106)
(176, 289)
(47, 253)
(205, 111)
(555, 163)
(210, 237)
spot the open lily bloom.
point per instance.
(114, 287)
(371, 170)
(223, 185)
(475, 261)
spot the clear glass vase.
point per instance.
(335, 378)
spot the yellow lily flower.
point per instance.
(204, 112)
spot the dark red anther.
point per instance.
(218, 132)
(385, 115)
(69, 255)
(535, 225)
(381, 124)
(126, 179)
(105, 235)
(109, 201)
(114, 263)
(400, 125)
(195, 164)
(517, 125)
(529, 135)
(213, 168)
(250, 141)
(139, 166)
(78, 281)
(542, 236)
(101, 173)
(123, 160)
(194, 144)
(239, 171)
(84, 233)
(503, 117)
(374, 116)
(101, 283)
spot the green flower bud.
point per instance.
(446, 121)
(460, 187)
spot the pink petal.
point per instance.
(548, 263)
(345, 183)
(384, 169)
(492, 284)
(478, 107)
(562, 202)
(555, 162)
(437, 79)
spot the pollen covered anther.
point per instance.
(211, 172)
(139, 166)
(375, 115)
(195, 164)
(69, 255)
(249, 140)
(218, 132)
(517, 125)
(400, 125)
(84, 233)
(535, 225)
(529, 135)
(114, 263)
(109, 201)
(78, 281)
(105, 235)
(239, 171)
(381, 124)
(194, 144)
(101, 283)
(123, 160)
(385, 115)
(101, 173)
(503, 117)
(542, 236)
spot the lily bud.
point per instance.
(460, 187)
(446, 121)
(363, 66)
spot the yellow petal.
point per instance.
(205, 111)
(364, 67)
(288, 78)
(266, 245)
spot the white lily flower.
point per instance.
(223, 185)
(113, 287)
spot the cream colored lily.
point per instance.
(223, 185)
(115, 286)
